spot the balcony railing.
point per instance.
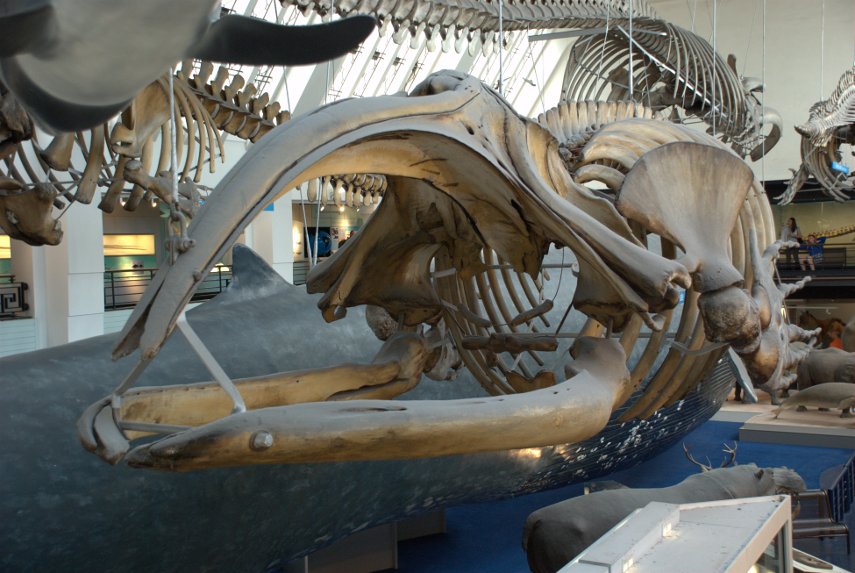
(836, 260)
(123, 289)
(13, 297)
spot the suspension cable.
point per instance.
(501, 58)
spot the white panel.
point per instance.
(262, 235)
(282, 236)
(115, 320)
(285, 270)
(86, 326)
(84, 230)
(86, 293)
(17, 336)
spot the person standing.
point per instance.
(791, 232)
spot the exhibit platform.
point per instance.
(808, 428)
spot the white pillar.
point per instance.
(28, 266)
(283, 236)
(74, 275)
(262, 235)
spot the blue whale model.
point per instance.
(66, 510)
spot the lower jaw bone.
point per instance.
(374, 430)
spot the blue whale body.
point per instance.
(66, 510)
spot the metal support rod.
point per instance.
(714, 58)
(605, 40)
(116, 397)
(152, 428)
(586, 32)
(763, 103)
(173, 164)
(321, 190)
(501, 50)
(307, 243)
(211, 363)
(821, 50)
(631, 71)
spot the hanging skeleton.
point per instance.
(674, 70)
(830, 126)
(135, 152)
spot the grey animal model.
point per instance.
(826, 365)
(555, 534)
(837, 395)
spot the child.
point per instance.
(814, 252)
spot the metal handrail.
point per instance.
(124, 288)
(841, 493)
(13, 297)
(835, 258)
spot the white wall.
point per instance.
(794, 34)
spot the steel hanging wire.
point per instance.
(821, 50)
(501, 50)
(631, 82)
(763, 104)
(714, 60)
(173, 161)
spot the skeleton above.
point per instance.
(830, 126)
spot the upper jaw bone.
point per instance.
(452, 140)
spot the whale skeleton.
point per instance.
(475, 194)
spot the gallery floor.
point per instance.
(487, 537)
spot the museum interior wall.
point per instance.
(404, 303)
(797, 73)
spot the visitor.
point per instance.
(790, 232)
(347, 238)
(835, 333)
(813, 255)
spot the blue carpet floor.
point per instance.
(486, 537)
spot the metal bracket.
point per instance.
(211, 363)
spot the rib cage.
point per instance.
(488, 302)
(207, 104)
(671, 67)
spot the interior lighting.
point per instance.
(5, 247)
(127, 245)
(341, 209)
